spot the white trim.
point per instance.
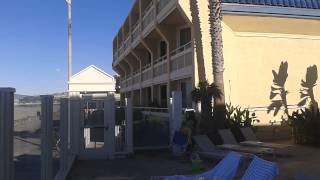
(95, 67)
(263, 10)
(275, 35)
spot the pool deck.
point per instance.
(305, 160)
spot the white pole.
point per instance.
(69, 66)
(69, 41)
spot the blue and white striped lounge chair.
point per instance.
(225, 170)
(261, 169)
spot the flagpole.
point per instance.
(69, 69)
(69, 42)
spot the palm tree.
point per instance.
(215, 18)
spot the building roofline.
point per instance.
(263, 10)
(92, 66)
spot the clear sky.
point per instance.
(33, 41)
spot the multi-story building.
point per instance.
(165, 45)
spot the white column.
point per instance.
(46, 137)
(6, 133)
(64, 134)
(129, 125)
(109, 121)
(176, 113)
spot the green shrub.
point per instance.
(237, 118)
(306, 126)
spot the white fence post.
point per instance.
(6, 133)
(64, 110)
(176, 112)
(109, 118)
(46, 137)
(129, 125)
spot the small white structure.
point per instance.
(92, 81)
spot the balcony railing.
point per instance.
(136, 31)
(181, 57)
(160, 66)
(146, 72)
(136, 78)
(129, 81)
(121, 49)
(181, 49)
(126, 43)
(148, 15)
(115, 56)
(162, 4)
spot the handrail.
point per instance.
(136, 25)
(265, 108)
(162, 4)
(160, 59)
(147, 10)
(146, 67)
(181, 49)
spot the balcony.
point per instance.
(121, 49)
(129, 81)
(136, 80)
(126, 43)
(115, 55)
(160, 69)
(146, 74)
(136, 31)
(162, 4)
(181, 62)
(148, 16)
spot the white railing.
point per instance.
(136, 77)
(146, 74)
(129, 81)
(126, 43)
(160, 66)
(181, 49)
(160, 59)
(136, 31)
(181, 57)
(115, 56)
(162, 4)
(148, 15)
(121, 49)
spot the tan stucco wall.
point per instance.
(251, 52)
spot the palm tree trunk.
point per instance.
(217, 58)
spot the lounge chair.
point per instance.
(207, 149)
(261, 169)
(229, 142)
(252, 140)
(226, 169)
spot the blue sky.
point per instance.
(33, 41)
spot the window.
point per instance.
(185, 36)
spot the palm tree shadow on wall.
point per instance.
(197, 33)
(278, 94)
(307, 85)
